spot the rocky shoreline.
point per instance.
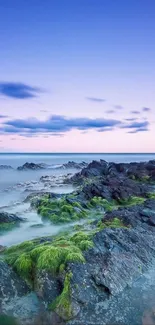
(70, 278)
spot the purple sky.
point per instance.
(77, 76)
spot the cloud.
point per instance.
(18, 90)
(95, 99)
(3, 116)
(137, 127)
(56, 125)
(131, 119)
(110, 111)
(136, 112)
(146, 109)
(139, 130)
(118, 107)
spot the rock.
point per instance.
(6, 217)
(142, 171)
(73, 164)
(47, 286)
(2, 248)
(31, 166)
(5, 167)
(11, 285)
(36, 196)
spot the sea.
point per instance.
(16, 185)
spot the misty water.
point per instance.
(16, 185)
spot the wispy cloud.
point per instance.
(131, 119)
(96, 99)
(18, 90)
(110, 111)
(146, 109)
(56, 125)
(139, 130)
(136, 127)
(4, 116)
(136, 112)
(118, 107)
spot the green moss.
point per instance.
(51, 259)
(25, 246)
(133, 200)
(82, 240)
(24, 266)
(100, 202)
(85, 244)
(114, 223)
(61, 211)
(151, 195)
(75, 257)
(63, 305)
(62, 268)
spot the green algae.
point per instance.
(63, 304)
(151, 195)
(114, 223)
(132, 200)
(28, 257)
(61, 211)
(97, 201)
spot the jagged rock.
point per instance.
(5, 167)
(6, 217)
(31, 166)
(11, 285)
(73, 164)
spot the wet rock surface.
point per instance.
(11, 285)
(115, 283)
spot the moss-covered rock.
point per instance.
(64, 306)
(61, 211)
(132, 200)
(97, 201)
(114, 223)
(151, 195)
(29, 257)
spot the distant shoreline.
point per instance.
(77, 153)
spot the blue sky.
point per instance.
(77, 75)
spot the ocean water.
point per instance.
(16, 185)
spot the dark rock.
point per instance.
(5, 167)
(47, 286)
(6, 217)
(31, 166)
(73, 164)
(11, 285)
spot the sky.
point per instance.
(77, 76)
